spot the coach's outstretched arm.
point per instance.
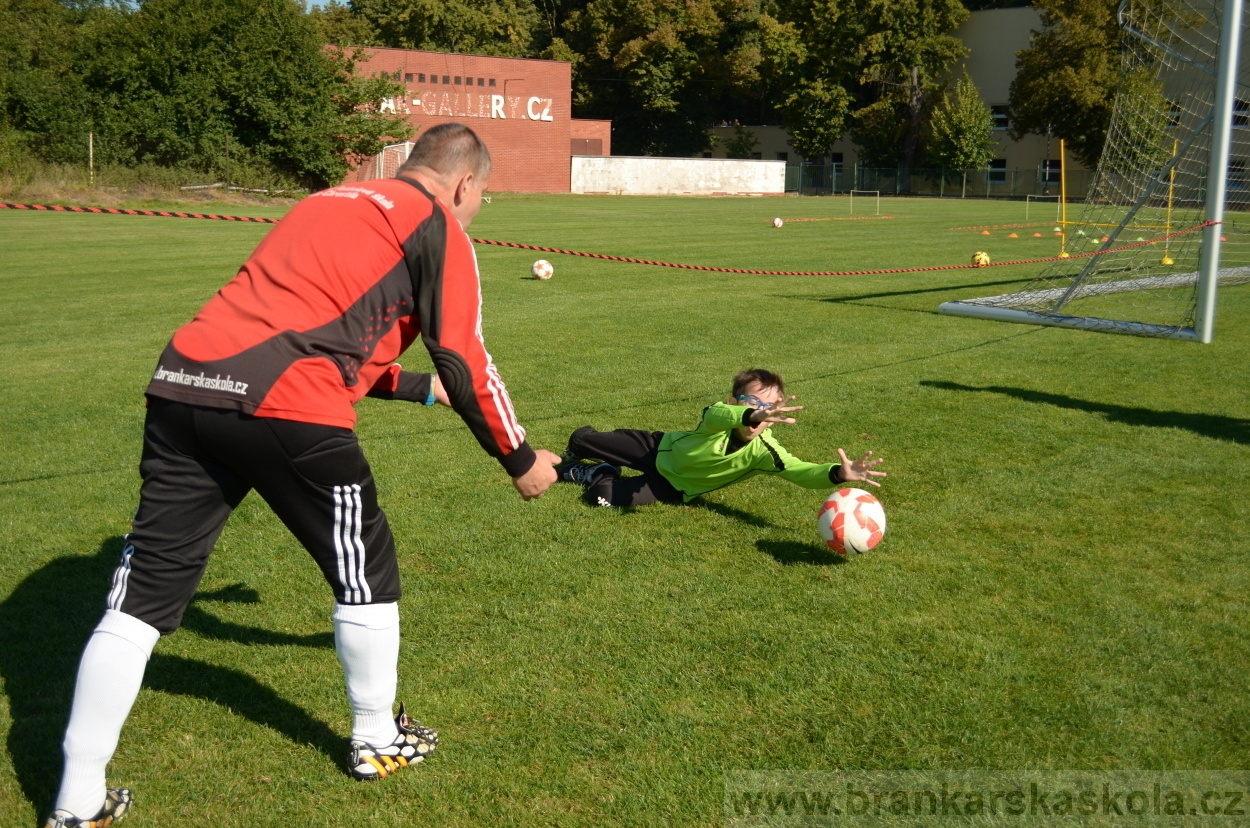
(447, 288)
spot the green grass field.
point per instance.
(1065, 583)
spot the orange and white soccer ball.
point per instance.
(851, 520)
(542, 269)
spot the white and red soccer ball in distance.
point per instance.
(542, 269)
(851, 520)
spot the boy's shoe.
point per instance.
(585, 473)
(414, 742)
(116, 804)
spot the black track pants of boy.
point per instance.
(198, 464)
(633, 449)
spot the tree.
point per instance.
(173, 81)
(1068, 77)
(506, 28)
(904, 51)
(659, 68)
(961, 130)
(43, 105)
(807, 71)
(335, 23)
(743, 144)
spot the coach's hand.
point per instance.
(542, 474)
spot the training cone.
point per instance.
(1104, 239)
(1037, 235)
(1012, 236)
(1223, 239)
(985, 232)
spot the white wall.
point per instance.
(621, 175)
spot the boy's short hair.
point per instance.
(448, 149)
(765, 378)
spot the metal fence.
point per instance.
(827, 179)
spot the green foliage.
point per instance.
(816, 112)
(1067, 79)
(905, 51)
(658, 68)
(743, 144)
(337, 24)
(484, 27)
(184, 83)
(1144, 138)
(961, 129)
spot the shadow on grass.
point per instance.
(1215, 426)
(789, 553)
(45, 623)
(917, 291)
(730, 512)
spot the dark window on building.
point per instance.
(1050, 170)
(1241, 113)
(408, 77)
(421, 77)
(1236, 175)
(481, 81)
(433, 78)
(997, 171)
(492, 81)
(835, 158)
(457, 80)
(707, 155)
(783, 156)
(999, 115)
(446, 78)
(757, 155)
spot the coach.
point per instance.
(257, 392)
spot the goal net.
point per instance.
(1164, 221)
(386, 163)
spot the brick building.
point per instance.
(521, 108)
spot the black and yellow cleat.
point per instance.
(414, 742)
(116, 804)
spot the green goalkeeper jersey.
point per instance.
(712, 456)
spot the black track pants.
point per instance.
(199, 463)
(630, 448)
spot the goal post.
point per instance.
(1030, 198)
(1158, 230)
(862, 193)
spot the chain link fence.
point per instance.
(828, 179)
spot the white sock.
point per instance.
(109, 676)
(366, 638)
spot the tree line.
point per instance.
(190, 83)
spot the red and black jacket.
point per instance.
(338, 289)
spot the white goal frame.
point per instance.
(1209, 274)
(1030, 197)
(877, 193)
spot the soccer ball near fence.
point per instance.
(851, 520)
(981, 258)
(542, 269)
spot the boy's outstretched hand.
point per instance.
(776, 413)
(861, 470)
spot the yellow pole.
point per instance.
(1063, 202)
(1167, 260)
